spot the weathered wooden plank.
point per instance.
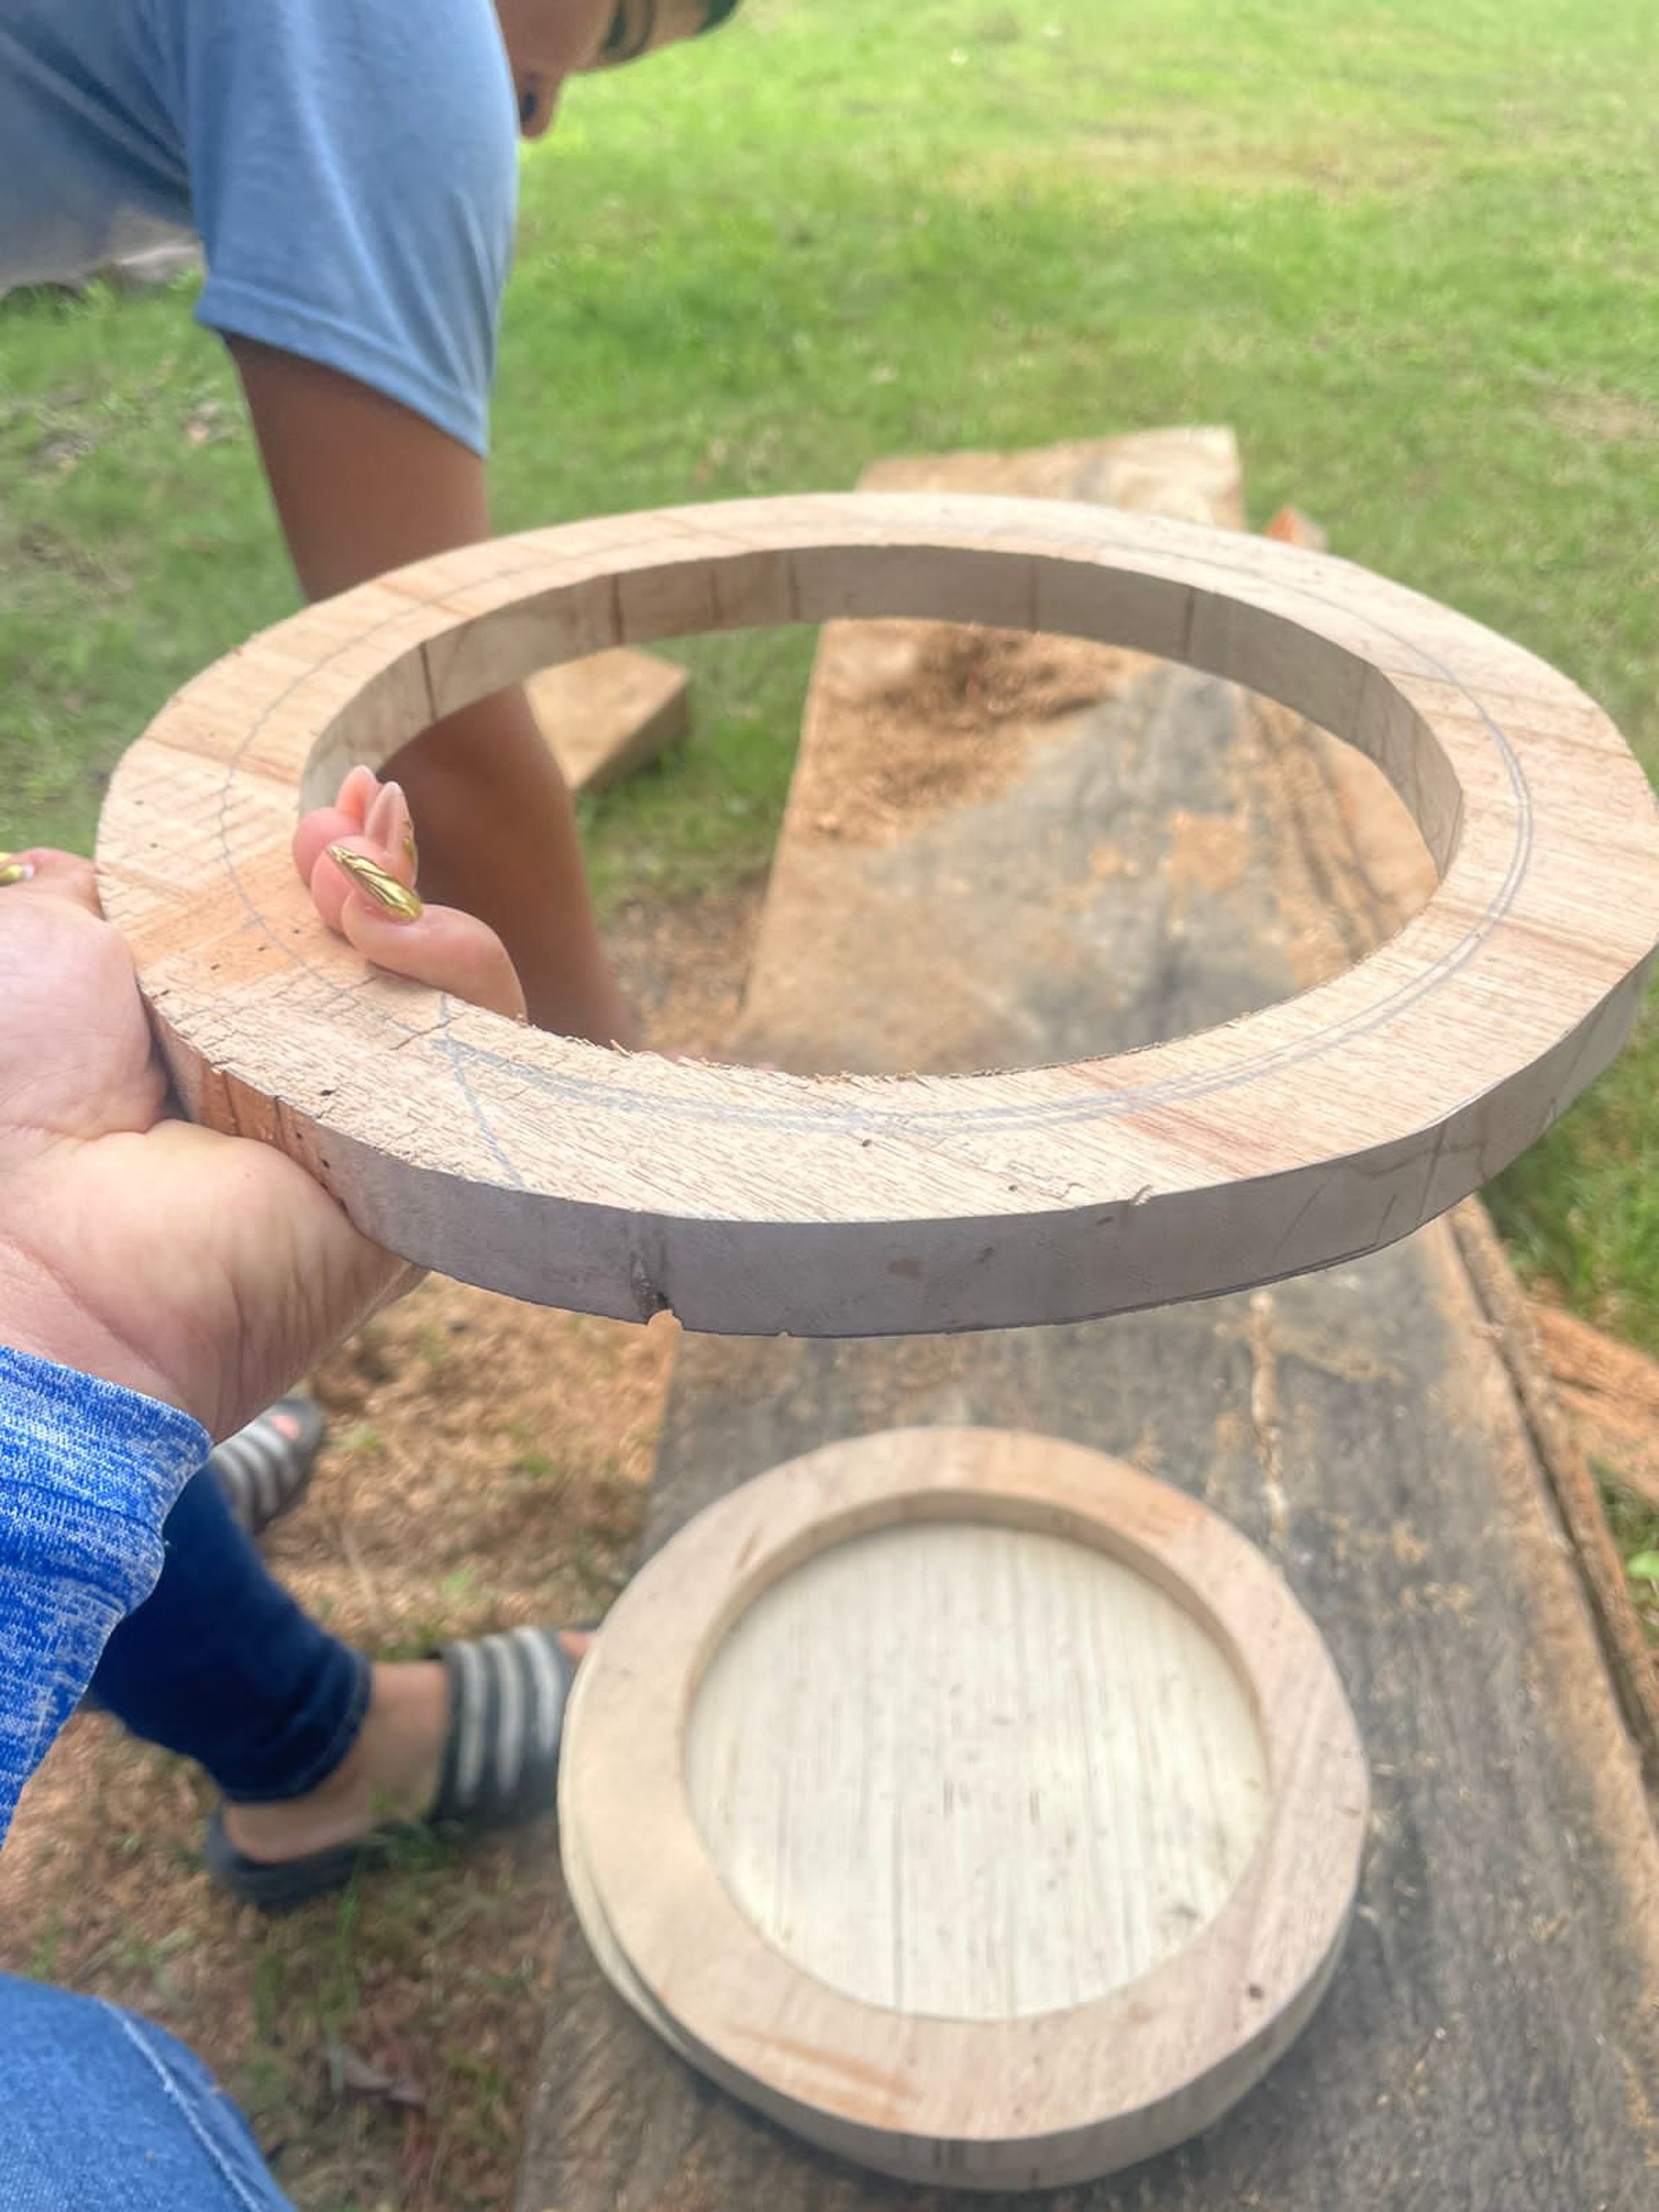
(607, 715)
(1489, 2040)
(1486, 2040)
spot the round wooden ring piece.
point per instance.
(749, 1201)
(976, 1806)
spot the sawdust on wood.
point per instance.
(1207, 852)
(936, 715)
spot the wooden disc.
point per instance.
(967, 1802)
(752, 1201)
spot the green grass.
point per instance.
(1411, 252)
(1635, 1525)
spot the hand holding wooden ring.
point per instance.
(752, 1202)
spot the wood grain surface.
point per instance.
(749, 1201)
(610, 714)
(1048, 1775)
(1087, 1862)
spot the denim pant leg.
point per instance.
(220, 1663)
(105, 2112)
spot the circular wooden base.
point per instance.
(752, 1201)
(967, 1802)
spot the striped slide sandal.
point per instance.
(507, 1695)
(264, 1469)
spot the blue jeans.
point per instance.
(220, 1663)
(106, 2113)
(102, 2111)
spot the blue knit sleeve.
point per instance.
(88, 1473)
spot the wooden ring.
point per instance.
(708, 1876)
(749, 1201)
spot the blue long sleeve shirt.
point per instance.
(88, 1474)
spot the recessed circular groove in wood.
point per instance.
(1030, 1871)
(932, 1624)
(749, 1201)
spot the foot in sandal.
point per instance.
(468, 1739)
(265, 1469)
(464, 1742)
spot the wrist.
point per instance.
(43, 1319)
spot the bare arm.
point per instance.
(362, 485)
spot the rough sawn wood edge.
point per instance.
(750, 1202)
(1030, 2103)
(1632, 1661)
(1371, 889)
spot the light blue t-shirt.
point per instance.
(350, 167)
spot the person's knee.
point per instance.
(106, 2110)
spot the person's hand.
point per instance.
(364, 486)
(205, 1270)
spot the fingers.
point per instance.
(443, 949)
(364, 806)
(360, 859)
(358, 793)
(40, 871)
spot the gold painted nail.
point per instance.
(412, 850)
(13, 871)
(375, 883)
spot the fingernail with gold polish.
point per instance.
(13, 871)
(373, 882)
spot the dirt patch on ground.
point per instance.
(1609, 417)
(684, 966)
(485, 1466)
